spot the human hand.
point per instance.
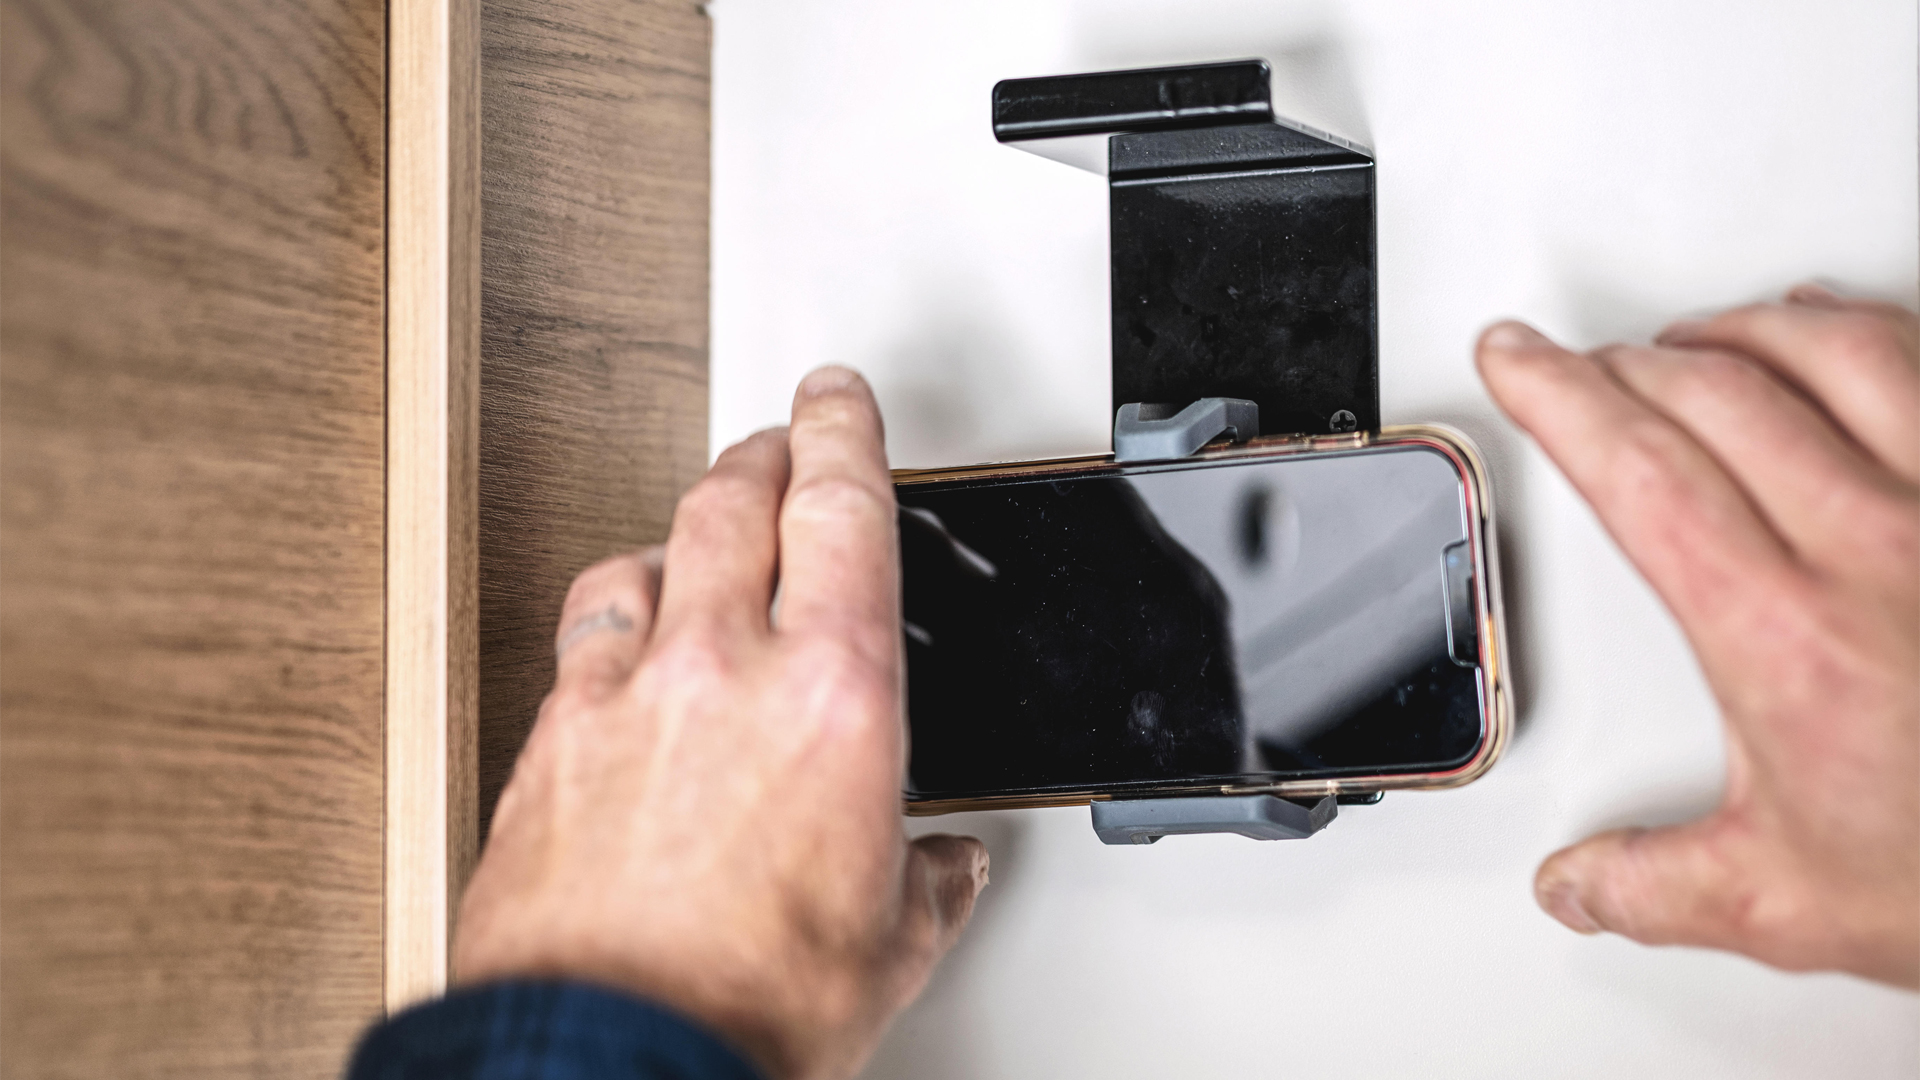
(1759, 468)
(707, 812)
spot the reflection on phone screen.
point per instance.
(1258, 618)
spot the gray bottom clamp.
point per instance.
(1258, 817)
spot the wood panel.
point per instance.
(433, 354)
(191, 428)
(593, 394)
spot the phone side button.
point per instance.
(1463, 629)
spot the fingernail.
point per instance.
(1811, 295)
(1680, 332)
(1561, 899)
(1513, 334)
(826, 380)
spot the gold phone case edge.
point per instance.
(1487, 598)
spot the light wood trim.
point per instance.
(433, 351)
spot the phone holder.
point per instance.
(1244, 301)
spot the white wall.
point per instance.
(1596, 167)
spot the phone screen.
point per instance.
(1248, 619)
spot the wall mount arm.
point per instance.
(1243, 250)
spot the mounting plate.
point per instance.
(1243, 261)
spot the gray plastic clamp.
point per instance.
(1257, 817)
(1144, 433)
(1147, 433)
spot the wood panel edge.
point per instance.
(432, 602)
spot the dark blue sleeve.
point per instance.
(543, 1031)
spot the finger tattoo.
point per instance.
(610, 619)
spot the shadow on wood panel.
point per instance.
(593, 389)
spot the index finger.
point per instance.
(1674, 511)
(839, 545)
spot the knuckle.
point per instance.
(567, 701)
(1757, 913)
(1746, 317)
(1816, 661)
(596, 577)
(851, 402)
(1824, 657)
(757, 445)
(696, 660)
(1685, 378)
(836, 499)
(1646, 459)
(1658, 894)
(1690, 378)
(1883, 526)
(1615, 351)
(772, 436)
(1717, 374)
(833, 663)
(841, 681)
(721, 494)
(1861, 341)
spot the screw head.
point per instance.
(1343, 421)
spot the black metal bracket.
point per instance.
(1243, 262)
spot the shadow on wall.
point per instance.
(1313, 80)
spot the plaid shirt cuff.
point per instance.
(543, 1031)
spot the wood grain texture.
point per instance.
(593, 395)
(433, 356)
(191, 414)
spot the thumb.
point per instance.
(944, 875)
(1657, 886)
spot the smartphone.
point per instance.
(1298, 616)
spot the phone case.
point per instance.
(1498, 707)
